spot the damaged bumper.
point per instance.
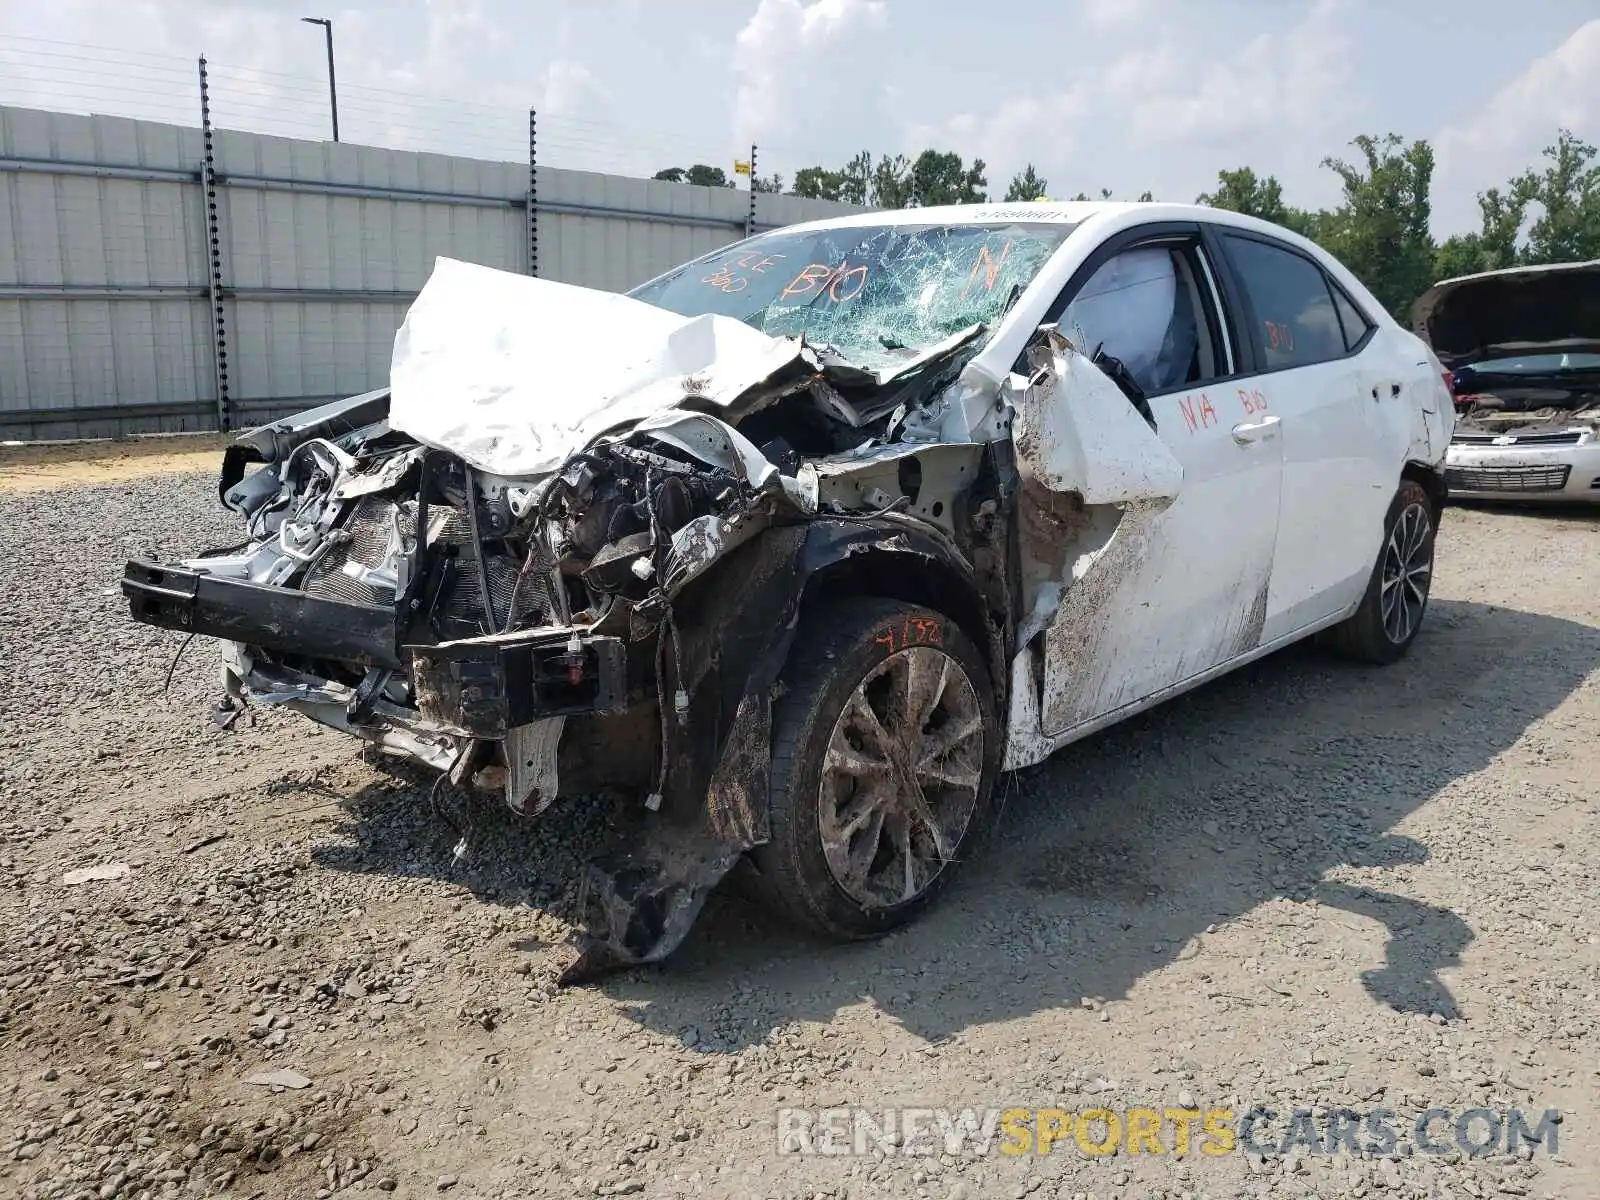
(1532, 472)
(614, 626)
(190, 601)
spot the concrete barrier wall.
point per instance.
(113, 322)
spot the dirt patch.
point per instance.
(40, 467)
(1310, 885)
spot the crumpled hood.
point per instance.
(1517, 311)
(514, 373)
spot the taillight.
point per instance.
(1450, 385)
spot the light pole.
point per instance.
(333, 95)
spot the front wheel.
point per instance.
(1391, 611)
(885, 748)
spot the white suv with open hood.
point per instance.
(790, 552)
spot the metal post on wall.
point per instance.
(219, 327)
(533, 192)
(750, 220)
(333, 93)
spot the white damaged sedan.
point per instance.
(790, 552)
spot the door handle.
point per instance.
(1255, 431)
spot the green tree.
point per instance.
(891, 182)
(772, 183)
(705, 176)
(1495, 245)
(1241, 191)
(1380, 230)
(699, 174)
(856, 179)
(818, 183)
(1566, 195)
(940, 177)
(1503, 214)
(1027, 184)
(1459, 254)
(1106, 194)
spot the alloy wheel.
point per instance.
(1407, 573)
(901, 776)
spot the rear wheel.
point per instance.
(1391, 612)
(885, 749)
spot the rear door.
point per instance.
(1181, 587)
(1312, 346)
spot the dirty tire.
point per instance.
(1366, 636)
(877, 646)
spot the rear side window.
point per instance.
(1296, 323)
(1355, 323)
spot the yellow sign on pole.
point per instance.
(741, 167)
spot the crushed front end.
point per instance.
(531, 637)
(564, 557)
(604, 618)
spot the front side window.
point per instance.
(1296, 323)
(1143, 306)
(876, 294)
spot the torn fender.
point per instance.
(1075, 431)
(736, 627)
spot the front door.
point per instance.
(1179, 586)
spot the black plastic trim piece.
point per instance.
(273, 618)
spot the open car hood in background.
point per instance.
(1522, 310)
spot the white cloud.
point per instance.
(1125, 94)
(1114, 14)
(806, 68)
(1291, 83)
(566, 87)
(1036, 128)
(1505, 136)
(1172, 109)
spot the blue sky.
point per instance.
(1124, 94)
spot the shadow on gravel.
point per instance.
(1115, 853)
(1109, 858)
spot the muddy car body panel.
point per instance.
(1523, 346)
(1055, 462)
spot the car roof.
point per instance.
(1047, 212)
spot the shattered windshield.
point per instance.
(876, 294)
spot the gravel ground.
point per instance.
(1307, 885)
